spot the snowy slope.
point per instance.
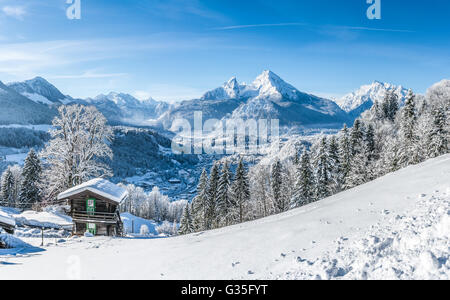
(413, 245)
(359, 101)
(269, 247)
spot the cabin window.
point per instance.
(90, 205)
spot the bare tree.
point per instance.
(80, 141)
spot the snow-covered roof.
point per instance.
(98, 186)
(6, 219)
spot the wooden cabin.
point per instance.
(94, 207)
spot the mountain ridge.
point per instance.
(363, 98)
(268, 96)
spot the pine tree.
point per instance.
(369, 139)
(377, 111)
(200, 203)
(438, 134)
(345, 155)
(30, 192)
(7, 193)
(304, 188)
(277, 185)
(213, 189)
(224, 199)
(389, 106)
(393, 106)
(186, 225)
(296, 158)
(408, 139)
(393, 157)
(323, 171)
(334, 163)
(356, 139)
(359, 172)
(241, 190)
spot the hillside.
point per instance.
(40, 91)
(144, 157)
(404, 213)
(18, 109)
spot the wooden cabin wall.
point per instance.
(103, 205)
(80, 228)
(78, 203)
(102, 229)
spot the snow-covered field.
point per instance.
(394, 227)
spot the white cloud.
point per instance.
(142, 95)
(168, 92)
(17, 12)
(88, 74)
(296, 24)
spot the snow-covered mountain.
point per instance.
(230, 90)
(18, 109)
(40, 90)
(120, 107)
(363, 99)
(268, 96)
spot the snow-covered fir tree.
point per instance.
(345, 155)
(296, 158)
(390, 106)
(357, 137)
(225, 205)
(279, 197)
(359, 171)
(7, 194)
(186, 224)
(369, 140)
(11, 185)
(408, 138)
(240, 191)
(438, 134)
(322, 166)
(335, 164)
(304, 188)
(30, 192)
(200, 203)
(212, 197)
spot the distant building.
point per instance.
(174, 181)
(94, 207)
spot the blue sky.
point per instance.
(178, 49)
